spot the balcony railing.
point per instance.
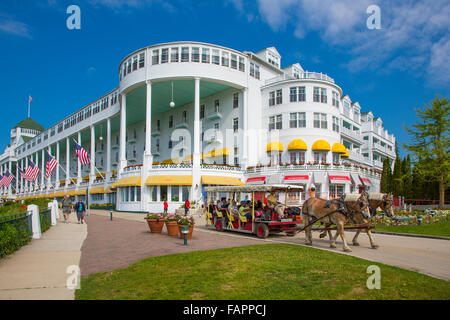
(304, 75)
(356, 135)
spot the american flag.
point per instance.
(1, 181)
(22, 173)
(7, 179)
(50, 165)
(82, 154)
(32, 172)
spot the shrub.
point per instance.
(13, 235)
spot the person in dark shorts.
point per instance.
(67, 208)
(80, 209)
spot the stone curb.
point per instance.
(412, 235)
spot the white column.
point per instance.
(148, 158)
(67, 162)
(108, 149)
(245, 129)
(196, 155)
(10, 172)
(27, 183)
(57, 167)
(49, 180)
(42, 170)
(92, 174)
(123, 133)
(17, 177)
(79, 177)
(22, 181)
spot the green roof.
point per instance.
(29, 124)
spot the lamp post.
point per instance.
(185, 231)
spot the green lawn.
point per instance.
(273, 271)
(435, 229)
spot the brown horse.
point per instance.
(376, 200)
(333, 212)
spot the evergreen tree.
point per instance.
(431, 144)
(396, 182)
(386, 176)
(407, 177)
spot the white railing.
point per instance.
(352, 133)
(304, 75)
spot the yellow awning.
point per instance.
(274, 146)
(170, 161)
(345, 155)
(321, 145)
(59, 194)
(169, 180)
(98, 190)
(339, 148)
(218, 153)
(129, 182)
(110, 190)
(191, 157)
(71, 193)
(224, 181)
(114, 186)
(81, 192)
(297, 144)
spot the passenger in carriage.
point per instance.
(244, 211)
(234, 208)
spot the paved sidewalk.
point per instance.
(37, 271)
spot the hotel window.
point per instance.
(141, 60)
(320, 157)
(135, 62)
(184, 116)
(170, 144)
(275, 122)
(60, 129)
(335, 99)
(257, 71)
(216, 106)
(205, 55)
(279, 96)
(235, 124)
(316, 95)
(297, 120)
(336, 158)
(272, 98)
(175, 194)
(320, 120)
(233, 61)
(235, 100)
(174, 56)
(164, 55)
(195, 54)
(335, 124)
(225, 59)
(252, 69)
(293, 94)
(346, 108)
(129, 65)
(170, 121)
(241, 64)
(155, 57)
(215, 57)
(356, 115)
(184, 54)
(202, 111)
(124, 71)
(323, 95)
(297, 157)
(301, 94)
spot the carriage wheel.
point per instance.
(262, 230)
(219, 224)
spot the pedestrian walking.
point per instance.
(186, 207)
(80, 209)
(166, 206)
(67, 208)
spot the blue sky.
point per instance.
(389, 71)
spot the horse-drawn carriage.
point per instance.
(251, 215)
(286, 213)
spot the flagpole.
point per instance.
(29, 102)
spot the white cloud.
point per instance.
(414, 34)
(14, 27)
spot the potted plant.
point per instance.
(171, 221)
(186, 221)
(155, 222)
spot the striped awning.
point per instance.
(297, 178)
(98, 190)
(356, 179)
(256, 180)
(169, 180)
(129, 182)
(366, 181)
(224, 181)
(259, 188)
(340, 179)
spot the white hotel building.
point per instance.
(186, 115)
